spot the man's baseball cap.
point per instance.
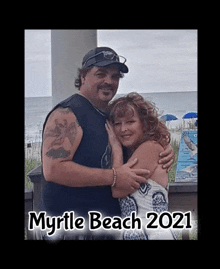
(103, 56)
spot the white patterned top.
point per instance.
(149, 197)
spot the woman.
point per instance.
(135, 129)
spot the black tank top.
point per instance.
(93, 151)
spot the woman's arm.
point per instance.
(117, 161)
(148, 156)
(117, 153)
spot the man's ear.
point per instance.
(83, 80)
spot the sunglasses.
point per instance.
(103, 55)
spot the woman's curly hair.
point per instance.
(153, 128)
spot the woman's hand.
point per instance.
(117, 154)
(113, 140)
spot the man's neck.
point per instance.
(102, 106)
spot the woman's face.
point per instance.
(129, 130)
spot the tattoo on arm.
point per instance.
(62, 130)
(58, 153)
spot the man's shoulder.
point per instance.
(62, 116)
(74, 101)
(60, 112)
(66, 107)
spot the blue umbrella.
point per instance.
(190, 115)
(168, 117)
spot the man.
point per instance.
(75, 150)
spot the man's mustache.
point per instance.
(107, 87)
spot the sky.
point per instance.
(37, 63)
(158, 60)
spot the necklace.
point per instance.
(99, 111)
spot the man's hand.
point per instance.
(128, 179)
(167, 157)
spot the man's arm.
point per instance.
(167, 157)
(62, 136)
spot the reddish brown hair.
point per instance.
(153, 128)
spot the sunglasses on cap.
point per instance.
(102, 57)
